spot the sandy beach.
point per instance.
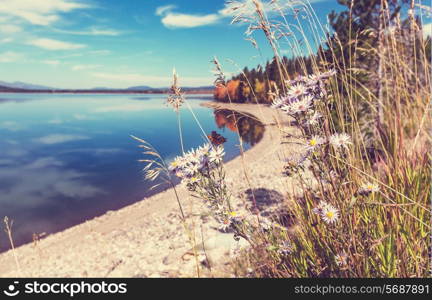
(147, 239)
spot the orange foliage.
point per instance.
(233, 89)
(220, 93)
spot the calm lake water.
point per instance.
(65, 159)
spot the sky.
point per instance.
(118, 44)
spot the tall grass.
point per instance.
(378, 187)
(365, 168)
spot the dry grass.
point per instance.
(378, 234)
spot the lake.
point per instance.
(67, 158)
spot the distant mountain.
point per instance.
(141, 88)
(100, 88)
(187, 88)
(199, 88)
(5, 88)
(23, 85)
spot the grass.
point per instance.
(378, 234)
(365, 172)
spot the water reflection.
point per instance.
(249, 128)
(65, 159)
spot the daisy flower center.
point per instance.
(330, 214)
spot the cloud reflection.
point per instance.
(43, 180)
(52, 139)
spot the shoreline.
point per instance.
(147, 238)
(106, 92)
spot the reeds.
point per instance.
(364, 169)
(368, 212)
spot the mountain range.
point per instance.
(23, 86)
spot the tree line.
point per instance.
(355, 45)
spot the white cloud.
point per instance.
(161, 10)
(44, 162)
(11, 126)
(245, 8)
(55, 121)
(92, 31)
(6, 40)
(122, 108)
(9, 28)
(177, 20)
(39, 12)
(84, 67)
(174, 20)
(82, 117)
(51, 62)
(50, 44)
(100, 52)
(52, 139)
(10, 56)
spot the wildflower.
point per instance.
(296, 162)
(204, 149)
(298, 106)
(194, 180)
(368, 188)
(191, 169)
(302, 106)
(341, 259)
(319, 209)
(330, 214)
(312, 80)
(340, 140)
(285, 248)
(297, 90)
(216, 155)
(314, 119)
(314, 142)
(266, 224)
(175, 98)
(327, 74)
(174, 165)
(225, 225)
(278, 103)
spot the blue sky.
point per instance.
(110, 43)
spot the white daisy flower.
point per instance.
(312, 80)
(368, 188)
(278, 103)
(314, 142)
(174, 165)
(216, 155)
(330, 214)
(341, 259)
(205, 149)
(224, 225)
(297, 90)
(194, 180)
(285, 248)
(340, 140)
(314, 119)
(298, 106)
(320, 208)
